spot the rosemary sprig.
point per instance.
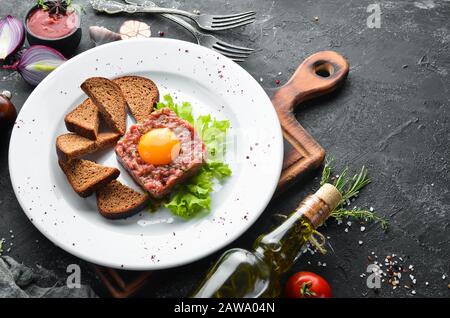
(360, 215)
(326, 173)
(350, 188)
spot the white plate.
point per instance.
(214, 85)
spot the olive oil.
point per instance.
(251, 274)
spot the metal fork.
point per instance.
(234, 52)
(206, 22)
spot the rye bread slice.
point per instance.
(86, 176)
(70, 146)
(83, 120)
(116, 200)
(108, 98)
(141, 95)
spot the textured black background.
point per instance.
(392, 116)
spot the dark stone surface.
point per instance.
(392, 116)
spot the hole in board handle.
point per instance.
(323, 69)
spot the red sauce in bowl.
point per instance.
(52, 26)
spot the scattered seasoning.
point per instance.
(261, 79)
(360, 242)
(277, 81)
(405, 66)
(316, 18)
(161, 33)
(363, 228)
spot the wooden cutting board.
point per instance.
(320, 74)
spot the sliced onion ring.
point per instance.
(12, 36)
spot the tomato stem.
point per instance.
(305, 289)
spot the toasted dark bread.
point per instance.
(116, 200)
(141, 94)
(83, 120)
(86, 176)
(108, 98)
(70, 146)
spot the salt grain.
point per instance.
(360, 242)
(363, 228)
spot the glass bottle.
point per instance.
(250, 274)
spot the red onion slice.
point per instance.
(12, 36)
(37, 62)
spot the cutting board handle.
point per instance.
(320, 74)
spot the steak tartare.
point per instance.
(159, 180)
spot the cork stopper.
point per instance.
(330, 195)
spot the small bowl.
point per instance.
(66, 44)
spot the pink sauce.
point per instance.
(52, 26)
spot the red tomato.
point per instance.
(307, 285)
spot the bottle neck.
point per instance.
(281, 247)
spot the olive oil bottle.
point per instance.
(250, 274)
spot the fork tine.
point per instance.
(218, 17)
(230, 23)
(233, 19)
(231, 46)
(220, 28)
(229, 54)
(232, 50)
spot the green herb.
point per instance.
(193, 197)
(350, 188)
(55, 6)
(1, 246)
(360, 215)
(41, 4)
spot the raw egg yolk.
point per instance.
(159, 146)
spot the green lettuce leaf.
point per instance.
(194, 196)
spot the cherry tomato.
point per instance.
(307, 285)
